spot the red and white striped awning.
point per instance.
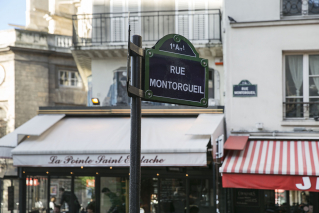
(263, 164)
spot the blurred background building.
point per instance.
(72, 50)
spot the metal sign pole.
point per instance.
(135, 153)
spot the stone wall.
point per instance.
(31, 85)
(36, 83)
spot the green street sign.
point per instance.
(174, 73)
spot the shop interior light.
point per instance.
(71, 173)
(81, 167)
(95, 101)
(157, 174)
(28, 136)
(97, 173)
(111, 167)
(47, 172)
(186, 175)
(129, 173)
(23, 171)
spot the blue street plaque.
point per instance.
(245, 89)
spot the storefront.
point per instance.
(9, 181)
(271, 175)
(88, 158)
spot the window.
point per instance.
(302, 86)
(299, 7)
(69, 79)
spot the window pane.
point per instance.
(114, 195)
(173, 195)
(36, 193)
(301, 201)
(199, 197)
(293, 108)
(294, 75)
(313, 89)
(57, 195)
(291, 7)
(314, 75)
(314, 107)
(84, 192)
(149, 195)
(313, 7)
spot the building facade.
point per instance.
(100, 40)
(36, 69)
(85, 150)
(271, 74)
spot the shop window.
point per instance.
(84, 190)
(9, 189)
(172, 195)
(301, 201)
(69, 79)
(149, 195)
(114, 195)
(199, 197)
(301, 86)
(280, 200)
(60, 192)
(36, 200)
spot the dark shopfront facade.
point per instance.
(163, 189)
(88, 155)
(266, 175)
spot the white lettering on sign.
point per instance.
(306, 184)
(176, 86)
(244, 88)
(177, 47)
(177, 70)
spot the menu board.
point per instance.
(246, 197)
(10, 198)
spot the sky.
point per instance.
(13, 12)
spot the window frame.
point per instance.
(305, 83)
(69, 72)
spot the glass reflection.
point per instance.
(114, 195)
(173, 195)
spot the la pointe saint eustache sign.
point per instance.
(174, 73)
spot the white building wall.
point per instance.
(252, 10)
(102, 75)
(255, 53)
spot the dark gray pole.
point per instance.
(135, 154)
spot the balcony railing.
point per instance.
(202, 26)
(300, 110)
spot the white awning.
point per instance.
(106, 142)
(35, 126)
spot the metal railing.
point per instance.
(203, 26)
(300, 109)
